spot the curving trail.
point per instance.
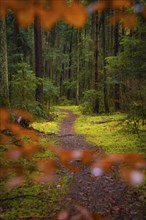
(106, 194)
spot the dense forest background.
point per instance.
(99, 66)
(79, 67)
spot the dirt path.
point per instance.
(106, 194)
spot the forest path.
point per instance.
(106, 194)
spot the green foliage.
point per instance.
(51, 91)
(89, 102)
(64, 101)
(137, 117)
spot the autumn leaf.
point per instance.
(47, 166)
(48, 18)
(129, 20)
(118, 4)
(4, 118)
(75, 15)
(25, 17)
(4, 139)
(101, 5)
(15, 182)
(63, 215)
(23, 114)
(28, 150)
(133, 177)
(13, 153)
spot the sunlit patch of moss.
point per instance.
(74, 108)
(51, 127)
(110, 135)
(46, 127)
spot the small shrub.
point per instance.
(64, 101)
(89, 102)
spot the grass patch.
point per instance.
(113, 135)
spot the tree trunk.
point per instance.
(117, 86)
(69, 65)
(96, 61)
(78, 68)
(4, 89)
(106, 105)
(38, 60)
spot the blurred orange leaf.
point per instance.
(121, 3)
(84, 212)
(25, 17)
(144, 12)
(4, 118)
(13, 153)
(48, 18)
(133, 177)
(129, 20)
(101, 5)
(23, 114)
(75, 15)
(46, 166)
(15, 182)
(63, 215)
(4, 139)
(43, 178)
(29, 150)
(71, 167)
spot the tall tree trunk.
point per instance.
(96, 61)
(69, 65)
(117, 86)
(38, 60)
(78, 69)
(104, 65)
(4, 89)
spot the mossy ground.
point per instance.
(33, 200)
(36, 201)
(111, 132)
(50, 127)
(112, 137)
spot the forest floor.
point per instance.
(106, 194)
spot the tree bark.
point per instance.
(69, 65)
(78, 68)
(96, 61)
(117, 86)
(4, 89)
(106, 105)
(38, 60)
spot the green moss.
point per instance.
(51, 126)
(74, 108)
(111, 135)
(33, 200)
